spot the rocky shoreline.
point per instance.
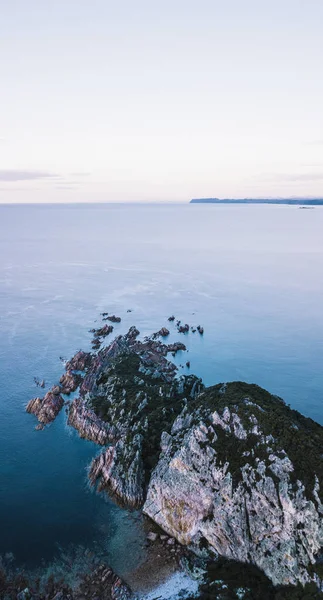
(229, 472)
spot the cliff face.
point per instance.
(239, 476)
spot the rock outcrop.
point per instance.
(111, 318)
(239, 477)
(163, 332)
(183, 328)
(79, 362)
(46, 409)
(102, 331)
(70, 382)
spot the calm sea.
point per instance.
(251, 275)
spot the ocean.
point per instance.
(251, 275)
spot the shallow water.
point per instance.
(252, 275)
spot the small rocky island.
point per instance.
(229, 471)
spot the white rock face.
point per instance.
(254, 513)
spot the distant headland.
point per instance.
(294, 201)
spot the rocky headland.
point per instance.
(230, 471)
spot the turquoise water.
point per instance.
(252, 275)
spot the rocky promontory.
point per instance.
(229, 471)
(240, 476)
(129, 395)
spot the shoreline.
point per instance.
(201, 462)
(162, 561)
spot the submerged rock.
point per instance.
(39, 382)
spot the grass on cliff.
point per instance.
(164, 403)
(299, 436)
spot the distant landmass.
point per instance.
(295, 201)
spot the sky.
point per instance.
(141, 101)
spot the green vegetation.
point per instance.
(299, 436)
(237, 577)
(144, 399)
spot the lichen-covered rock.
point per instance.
(239, 476)
(46, 409)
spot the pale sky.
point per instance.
(139, 100)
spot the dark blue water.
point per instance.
(252, 275)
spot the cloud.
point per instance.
(18, 189)
(318, 142)
(80, 174)
(313, 165)
(19, 175)
(290, 177)
(66, 187)
(300, 177)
